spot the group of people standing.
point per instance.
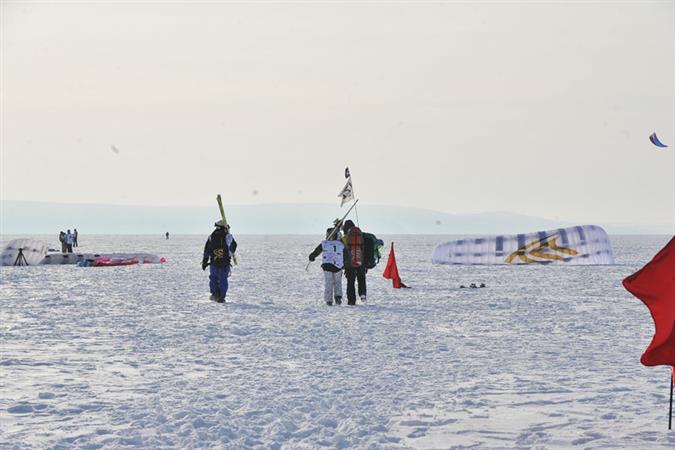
(343, 249)
(68, 240)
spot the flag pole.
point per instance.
(348, 175)
(356, 211)
(670, 411)
(336, 228)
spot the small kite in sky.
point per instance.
(655, 140)
(114, 149)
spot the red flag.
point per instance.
(654, 284)
(391, 271)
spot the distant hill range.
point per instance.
(18, 217)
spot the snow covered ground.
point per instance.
(544, 357)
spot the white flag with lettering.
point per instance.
(347, 192)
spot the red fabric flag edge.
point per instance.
(654, 284)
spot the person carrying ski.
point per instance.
(332, 262)
(354, 269)
(218, 251)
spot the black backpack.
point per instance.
(371, 250)
(220, 253)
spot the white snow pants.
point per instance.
(332, 285)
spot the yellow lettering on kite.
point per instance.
(547, 249)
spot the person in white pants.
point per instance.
(332, 287)
(332, 262)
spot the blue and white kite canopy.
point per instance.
(655, 140)
(581, 245)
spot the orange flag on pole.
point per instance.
(391, 271)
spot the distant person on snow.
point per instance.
(167, 235)
(75, 244)
(69, 241)
(332, 262)
(62, 240)
(354, 269)
(218, 251)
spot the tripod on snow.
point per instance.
(20, 259)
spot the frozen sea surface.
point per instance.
(544, 357)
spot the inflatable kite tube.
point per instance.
(580, 245)
(63, 258)
(87, 259)
(108, 262)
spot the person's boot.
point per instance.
(363, 298)
(338, 300)
(329, 302)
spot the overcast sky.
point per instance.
(542, 109)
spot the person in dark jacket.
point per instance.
(62, 240)
(354, 269)
(332, 262)
(218, 252)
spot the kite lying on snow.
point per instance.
(580, 245)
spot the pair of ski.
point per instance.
(222, 215)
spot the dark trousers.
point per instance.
(218, 284)
(359, 275)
